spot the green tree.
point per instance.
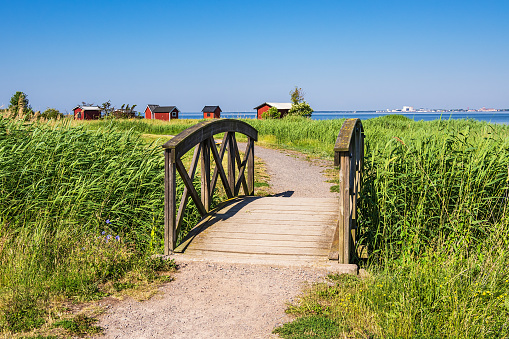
(271, 113)
(297, 95)
(299, 106)
(107, 108)
(19, 105)
(301, 109)
(51, 113)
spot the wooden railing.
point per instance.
(201, 137)
(348, 155)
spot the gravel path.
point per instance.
(220, 300)
(209, 300)
(292, 175)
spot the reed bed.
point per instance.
(82, 212)
(433, 214)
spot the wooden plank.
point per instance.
(264, 258)
(248, 231)
(290, 207)
(270, 236)
(287, 207)
(213, 243)
(300, 230)
(289, 228)
(263, 250)
(289, 201)
(261, 212)
(275, 218)
(245, 248)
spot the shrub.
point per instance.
(272, 113)
(301, 109)
(51, 113)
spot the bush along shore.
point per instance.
(82, 214)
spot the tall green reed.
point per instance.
(447, 185)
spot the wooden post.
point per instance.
(348, 154)
(170, 192)
(231, 162)
(353, 196)
(205, 174)
(250, 167)
(344, 209)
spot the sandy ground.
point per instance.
(221, 300)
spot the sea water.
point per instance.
(493, 117)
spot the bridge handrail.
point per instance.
(348, 155)
(187, 139)
(201, 137)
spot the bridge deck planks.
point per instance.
(268, 227)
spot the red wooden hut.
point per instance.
(87, 112)
(282, 107)
(165, 113)
(211, 112)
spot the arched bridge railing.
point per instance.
(348, 155)
(201, 138)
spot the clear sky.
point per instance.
(345, 55)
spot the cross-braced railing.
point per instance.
(201, 137)
(348, 155)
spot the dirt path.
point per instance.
(292, 175)
(220, 300)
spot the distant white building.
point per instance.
(408, 109)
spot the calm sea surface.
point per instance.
(494, 117)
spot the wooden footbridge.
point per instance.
(268, 229)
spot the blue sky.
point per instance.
(345, 55)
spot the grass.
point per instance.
(79, 325)
(81, 215)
